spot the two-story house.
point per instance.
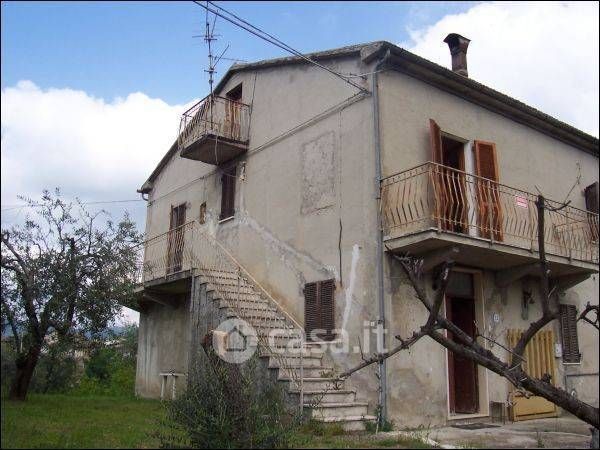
(288, 189)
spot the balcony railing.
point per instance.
(166, 254)
(210, 122)
(433, 196)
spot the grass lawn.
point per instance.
(64, 421)
(78, 422)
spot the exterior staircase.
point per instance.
(325, 398)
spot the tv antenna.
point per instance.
(209, 37)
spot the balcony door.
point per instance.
(461, 199)
(176, 239)
(233, 113)
(449, 180)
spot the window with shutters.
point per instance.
(570, 340)
(228, 193)
(591, 204)
(319, 310)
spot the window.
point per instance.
(319, 310)
(591, 198)
(568, 327)
(591, 204)
(228, 193)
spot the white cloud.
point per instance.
(91, 148)
(544, 54)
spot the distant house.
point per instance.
(271, 204)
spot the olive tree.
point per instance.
(65, 271)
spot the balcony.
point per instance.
(164, 262)
(214, 130)
(440, 211)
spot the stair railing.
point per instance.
(236, 285)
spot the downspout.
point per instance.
(379, 252)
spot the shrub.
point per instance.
(108, 373)
(229, 406)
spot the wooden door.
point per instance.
(233, 113)
(462, 372)
(489, 208)
(176, 239)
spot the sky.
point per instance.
(92, 92)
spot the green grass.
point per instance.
(68, 421)
(63, 421)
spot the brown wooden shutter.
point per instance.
(319, 309)
(486, 164)
(570, 340)
(311, 308)
(591, 198)
(327, 300)
(489, 213)
(228, 193)
(435, 142)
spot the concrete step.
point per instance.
(245, 304)
(288, 361)
(228, 290)
(350, 423)
(314, 384)
(259, 315)
(344, 409)
(318, 397)
(307, 372)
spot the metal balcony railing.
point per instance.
(433, 196)
(214, 116)
(165, 254)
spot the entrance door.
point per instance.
(462, 372)
(175, 239)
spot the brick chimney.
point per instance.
(458, 49)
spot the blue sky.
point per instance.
(112, 49)
(92, 92)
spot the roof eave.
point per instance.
(469, 89)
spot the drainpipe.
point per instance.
(379, 252)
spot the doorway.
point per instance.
(176, 239)
(463, 379)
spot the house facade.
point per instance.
(288, 190)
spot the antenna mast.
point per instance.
(208, 38)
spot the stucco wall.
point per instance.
(306, 205)
(163, 343)
(526, 158)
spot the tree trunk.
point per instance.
(25, 367)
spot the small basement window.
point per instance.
(228, 193)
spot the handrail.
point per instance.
(256, 283)
(432, 195)
(213, 96)
(473, 176)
